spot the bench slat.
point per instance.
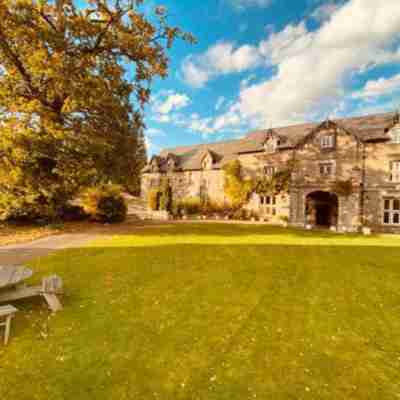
(7, 310)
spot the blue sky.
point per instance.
(265, 63)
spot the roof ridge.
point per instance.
(191, 146)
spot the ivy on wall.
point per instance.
(160, 198)
(236, 188)
(277, 183)
(343, 188)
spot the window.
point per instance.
(271, 144)
(327, 142)
(395, 171)
(395, 134)
(391, 211)
(326, 168)
(268, 204)
(269, 171)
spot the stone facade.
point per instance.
(345, 173)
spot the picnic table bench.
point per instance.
(6, 314)
(12, 286)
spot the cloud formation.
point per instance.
(169, 101)
(314, 66)
(220, 59)
(379, 87)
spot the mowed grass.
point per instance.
(214, 312)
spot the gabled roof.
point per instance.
(366, 128)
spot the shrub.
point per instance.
(112, 209)
(104, 203)
(73, 213)
(240, 214)
(176, 209)
(191, 205)
(284, 218)
(165, 198)
(153, 199)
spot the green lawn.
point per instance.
(214, 312)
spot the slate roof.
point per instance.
(365, 128)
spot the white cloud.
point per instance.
(246, 81)
(291, 41)
(312, 67)
(379, 87)
(154, 132)
(172, 102)
(151, 147)
(325, 11)
(222, 58)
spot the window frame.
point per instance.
(268, 204)
(330, 164)
(269, 170)
(395, 134)
(394, 173)
(271, 145)
(327, 141)
(389, 211)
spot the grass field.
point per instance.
(214, 312)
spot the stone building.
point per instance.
(345, 174)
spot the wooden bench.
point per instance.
(7, 313)
(49, 289)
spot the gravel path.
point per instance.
(20, 253)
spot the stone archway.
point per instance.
(322, 209)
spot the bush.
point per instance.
(73, 213)
(153, 199)
(240, 214)
(177, 209)
(165, 202)
(112, 209)
(191, 205)
(104, 203)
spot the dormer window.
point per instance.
(207, 162)
(327, 142)
(271, 145)
(395, 134)
(171, 163)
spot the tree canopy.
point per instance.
(73, 83)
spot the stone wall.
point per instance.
(367, 166)
(345, 157)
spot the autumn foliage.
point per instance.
(73, 84)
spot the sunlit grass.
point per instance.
(214, 312)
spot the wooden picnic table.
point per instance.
(12, 286)
(13, 275)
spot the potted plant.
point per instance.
(366, 230)
(284, 220)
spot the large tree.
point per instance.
(73, 83)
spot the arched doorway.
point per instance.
(322, 209)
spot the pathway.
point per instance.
(20, 253)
